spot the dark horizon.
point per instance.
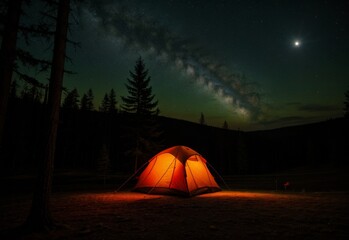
(79, 144)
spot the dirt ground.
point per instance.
(221, 215)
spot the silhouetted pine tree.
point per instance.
(31, 93)
(83, 103)
(112, 101)
(202, 119)
(104, 104)
(144, 133)
(87, 101)
(90, 98)
(225, 125)
(39, 217)
(12, 57)
(71, 101)
(40, 214)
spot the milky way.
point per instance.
(135, 30)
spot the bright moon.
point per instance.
(297, 43)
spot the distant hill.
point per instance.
(265, 151)
(83, 134)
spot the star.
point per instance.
(297, 43)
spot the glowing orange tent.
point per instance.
(177, 170)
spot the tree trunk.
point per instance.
(7, 57)
(40, 216)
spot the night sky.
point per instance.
(255, 64)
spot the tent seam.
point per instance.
(174, 159)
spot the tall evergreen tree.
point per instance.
(31, 93)
(140, 99)
(83, 102)
(87, 101)
(90, 98)
(105, 104)
(112, 101)
(143, 130)
(225, 125)
(40, 213)
(202, 119)
(71, 101)
(13, 57)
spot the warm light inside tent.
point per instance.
(198, 175)
(163, 172)
(177, 169)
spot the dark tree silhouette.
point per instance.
(40, 215)
(87, 101)
(225, 125)
(346, 105)
(202, 119)
(7, 56)
(84, 102)
(112, 101)
(140, 99)
(109, 102)
(144, 134)
(90, 98)
(105, 103)
(31, 93)
(71, 101)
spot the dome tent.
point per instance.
(177, 170)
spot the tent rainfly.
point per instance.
(177, 170)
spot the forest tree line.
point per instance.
(140, 133)
(92, 140)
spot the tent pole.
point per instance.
(174, 161)
(122, 185)
(207, 171)
(191, 173)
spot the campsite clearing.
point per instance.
(220, 215)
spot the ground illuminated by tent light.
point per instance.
(236, 194)
(118, 196)
(115, 197)
(134, 196)
(220, 215)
